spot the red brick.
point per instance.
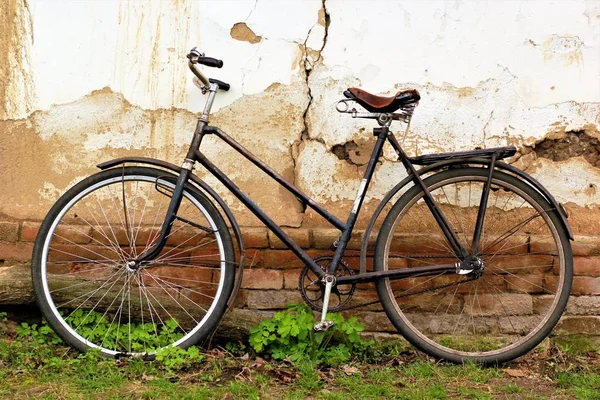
(585, 285)
(488, 283)
(291, 278)
(188, 237)
(253, 258)
(80, 234)
(255, 237)
(16, 251)
(354, 263)
(182, 236)
(516, 244)
(355, 242)
(410, 243)
(29, 231)
(203, 296)
(324, 238)
(299, 235)
(586, 246)
(531, 283)
(542, 244)
(582, 285)
(586, 266)
(285, 259)
(531, 264)
(79, 253)
(9, 231)
(423, 262)
(409, 283)
(430, 303)
(498, 304)
(204, 256)
(240, 299)
(258, 278)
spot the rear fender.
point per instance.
(200, 184)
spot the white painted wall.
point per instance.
(491, 73)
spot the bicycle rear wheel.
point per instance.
(90, 296)
(527, 274)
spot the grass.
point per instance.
(565, 370)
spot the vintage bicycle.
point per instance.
(472, 261)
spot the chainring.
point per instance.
(313, 290)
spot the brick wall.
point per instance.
(272, 273)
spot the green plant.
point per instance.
(235, 348)
(42, 334)
(289, 335)
(176, 358)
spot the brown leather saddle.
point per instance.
(379, 104)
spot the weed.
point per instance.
(176, 358)
(511, 388)
(576, 345)
(290, 335)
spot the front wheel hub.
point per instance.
(132, 267)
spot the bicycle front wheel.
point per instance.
(490, 316)
(93, 299)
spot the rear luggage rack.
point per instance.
(501, 152)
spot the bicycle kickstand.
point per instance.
(324, 325)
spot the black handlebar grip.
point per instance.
(222, 85)
(210, 62)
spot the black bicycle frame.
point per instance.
(195, 155)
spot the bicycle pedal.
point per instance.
(323, 326)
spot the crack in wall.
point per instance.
(308, 66)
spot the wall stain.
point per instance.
(158, 69)
(17, 95)
(565, 48)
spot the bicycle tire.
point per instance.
(525, 285)
(92, 299)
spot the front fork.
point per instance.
(176, 198)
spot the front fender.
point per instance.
(207, 189)
(445, 164)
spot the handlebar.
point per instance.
(210, 62)
(195, 57)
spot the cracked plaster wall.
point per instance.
(83, 82)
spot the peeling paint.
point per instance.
(569, 145)
(240, 31)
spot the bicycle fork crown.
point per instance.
(324, 325)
